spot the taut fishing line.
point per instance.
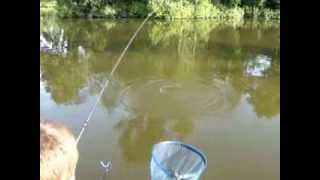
(169, 158)
(86, 122)
(107, 165)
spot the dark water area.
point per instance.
(215, 85)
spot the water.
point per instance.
(215, 85)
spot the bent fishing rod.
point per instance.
(86, 122)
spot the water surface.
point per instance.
(215, 85)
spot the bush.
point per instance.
(47, 8)
(184, 9)
(269, 14)
(256, 3)
(251, 12)
(232, 3)
(170, 9)
(204, 9)
(81, 8)
(138, 9)
(273, 4)
(235, 13)
(110, 11)
(261, 13)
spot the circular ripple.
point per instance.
(172, 98)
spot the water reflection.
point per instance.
(139, 134)
(192, 99)
(265, 97)
(258, 66)
(64, 78)
(174, 76)
(184, 50)
(53, 43)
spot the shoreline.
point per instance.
(48, 9)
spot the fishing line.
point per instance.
(86, 122)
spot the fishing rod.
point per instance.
(162, 149)
(106, 165)
(86, 122)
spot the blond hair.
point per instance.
(58, 152)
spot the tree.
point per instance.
(81, 8)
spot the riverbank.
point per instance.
(174, 10)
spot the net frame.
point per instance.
(189, 147)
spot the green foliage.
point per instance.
(235, 13)
(273, 4)
(204, 9)
(159, 7)
(264, 13)
(269, 14)
(110, 11)
(232, 3)
(138, 9)
(81, 8)
(193, 9)
(47, 8)
(169, 9)
(180, 9)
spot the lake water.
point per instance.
(214, 85)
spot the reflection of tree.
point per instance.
(170, 109)
(183, 128)
(225, 43)
(110, 99)
(195, 32)
(89, 34)
(265, 98)
(200, 67)
(264, 91)
(64, 78)
(260, 35)
(141, 133)
(186, 38)
(66, 75)
(52, 38)
(191, 40)
(179, 50)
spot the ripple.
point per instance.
(176, 98)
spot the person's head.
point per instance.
(58, 152)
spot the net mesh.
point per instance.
(175, 160)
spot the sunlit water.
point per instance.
(213, 85)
